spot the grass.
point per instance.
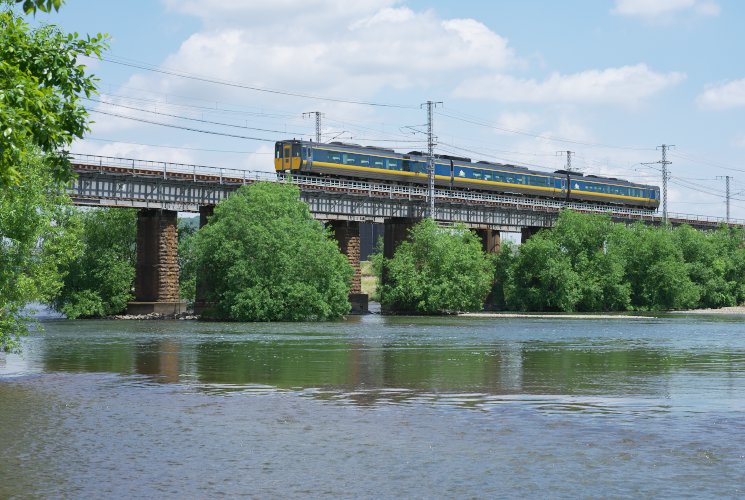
(369, 280)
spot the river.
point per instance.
(377, 407)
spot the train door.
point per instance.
(452, 174)
(286, 157)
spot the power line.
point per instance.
(211, 132)
(146, 67)
(210, 122)
(98, 139)
(539, 136)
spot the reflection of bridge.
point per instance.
(160, 190)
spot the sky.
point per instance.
(217, 82)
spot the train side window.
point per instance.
(392, 164)
(320, 155)
(278, 150)
(365, 161)
(487, 176)
(348, 159)
(477, 174)
(378, 162)
(334, 157)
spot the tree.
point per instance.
(438, 270)
(38, 238)
(656, 270)
(590, 243)
(707, 258)
(187, 262)
(41, 86)
(542, 277)
(99, 282)
(267, 259)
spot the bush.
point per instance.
(266, 259)
(99, 282)
(438, 270)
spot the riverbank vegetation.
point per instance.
(264, 258)
(42, 84)
(588, 263)
(438, 269)
(585, 263)
(39, 237)
(98, 282)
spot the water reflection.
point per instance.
(402, 359)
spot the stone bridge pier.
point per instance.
(157, 269)
(491, 241)
(347, 235)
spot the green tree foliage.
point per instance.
(541, 277)
(41, 87)
(187, 260)
(99, 282)
(267, 259)
(588, 263)
(38, 238)
(656, 270)
(32, 6)
(439, 269)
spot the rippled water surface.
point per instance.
(377, 407)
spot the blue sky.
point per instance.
(607, 79)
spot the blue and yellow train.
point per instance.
(371, 162)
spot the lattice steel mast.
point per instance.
(431, 156)
(318, 115)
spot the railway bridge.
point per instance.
(160, 190)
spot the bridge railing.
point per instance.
(203, 173)
(168, 170)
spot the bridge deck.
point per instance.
(121, 182)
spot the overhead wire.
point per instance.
(191, 129)
(210, 122)
(189, 76)
(475, 121)
(178, 147)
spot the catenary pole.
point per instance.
(431, 142)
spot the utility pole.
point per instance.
(726, 183)
(431, 156)
(665, 176)
(318, 115)
(569, 159)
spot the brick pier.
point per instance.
(157, 270)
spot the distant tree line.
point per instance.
(584, 263)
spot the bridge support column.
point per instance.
(347, 235)
(395, 231)
(491, 241)
(157, 270)
(203, 282)
(527, 232)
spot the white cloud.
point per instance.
(333, 47)
(519, 120)
(739, 142)
(625, 85)
(659, 9)
(723, 96)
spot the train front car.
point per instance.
(288, 156)
(609, 190)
